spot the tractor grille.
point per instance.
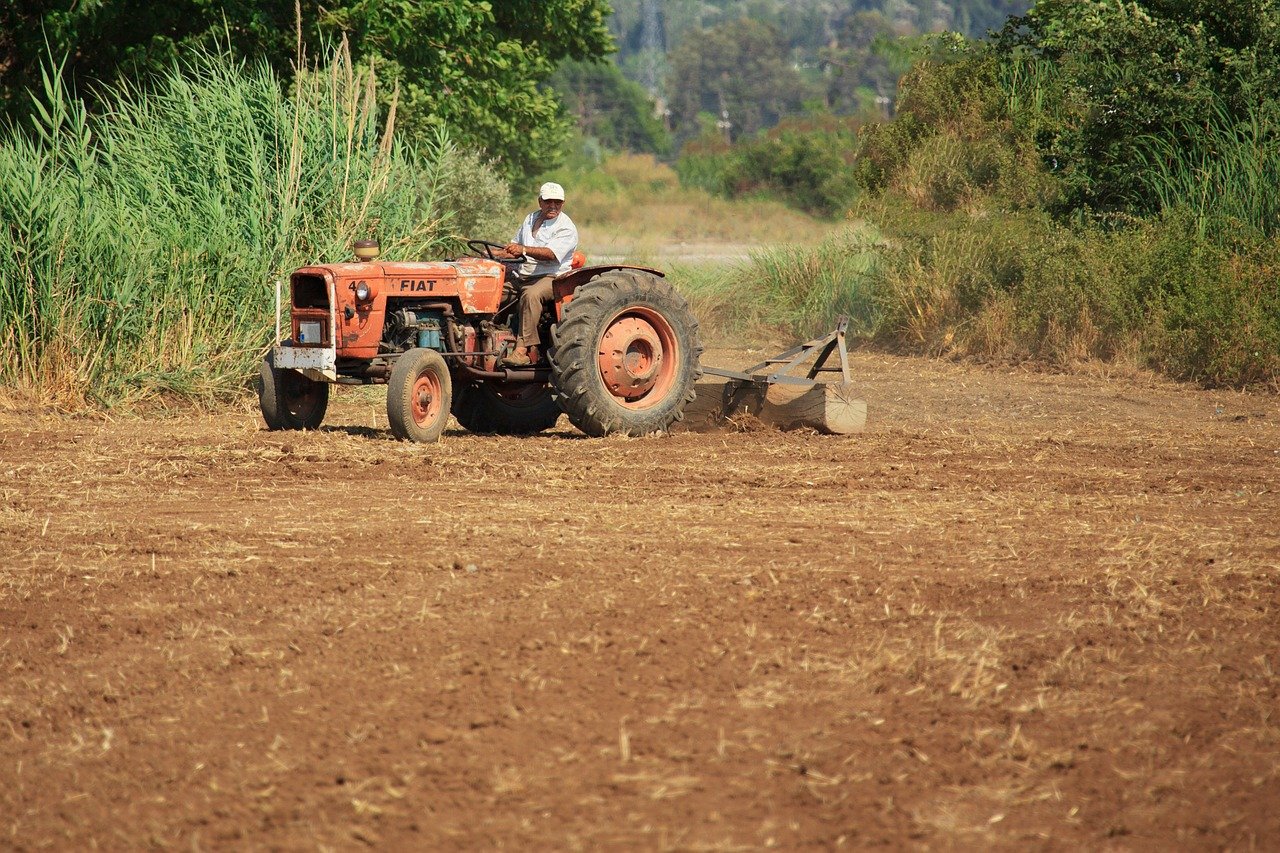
(310, 291)
(310, 311)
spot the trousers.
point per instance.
(534, 298)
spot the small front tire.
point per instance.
(419, 393)
(288, 399)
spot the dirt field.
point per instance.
(1022, 610)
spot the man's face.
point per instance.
(550, 209)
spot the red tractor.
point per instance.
(623, 354)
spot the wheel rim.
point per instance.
(425, 399)
(638, 358)
(301, 396)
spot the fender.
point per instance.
(565, 284)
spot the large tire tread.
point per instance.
(580, 390)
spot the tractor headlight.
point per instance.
(364, 292)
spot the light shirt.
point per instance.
(559, 235)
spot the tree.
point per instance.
(858, 65)
(470, 64)
(1109, 77)
(738, 71)
(463, 64)
(608, 107)
(805, 162)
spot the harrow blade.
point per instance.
(768, 392)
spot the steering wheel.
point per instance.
(484, 247)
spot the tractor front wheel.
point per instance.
(626, 355)
(288, 399)
(418, 396)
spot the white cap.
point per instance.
(551, 191)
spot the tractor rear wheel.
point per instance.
(418, 396)
(625, 355)
(507, 408)
(288, 399)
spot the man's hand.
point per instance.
(538, 253)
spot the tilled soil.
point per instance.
(1021, 610)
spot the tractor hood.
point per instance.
(472, 285)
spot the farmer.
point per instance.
(547, 238)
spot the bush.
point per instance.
(641, 174)
(943, 270)
(609, 108)
(1098, 82)
(1013, 287)
(806, 162)
(954, 142)
(704, 162)
(806, 170)
(992, 258)
(1218, 313)
(473, 200)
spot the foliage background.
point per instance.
(1043, 209)
(1096, 180)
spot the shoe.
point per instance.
(517, 358)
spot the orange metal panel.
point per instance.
(476, 283)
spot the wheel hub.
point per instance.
(631, 356)
(426, 399)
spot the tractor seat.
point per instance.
(577, 262)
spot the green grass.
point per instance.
(1229, 181)
(789, 291)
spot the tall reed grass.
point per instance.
(1228, 178)
(141, 245)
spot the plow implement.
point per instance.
(773, 393)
